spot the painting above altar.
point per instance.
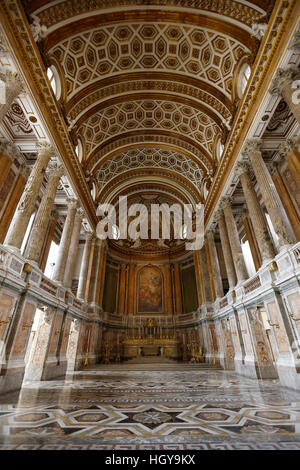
(149, 290)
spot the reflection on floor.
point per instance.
(136, 407)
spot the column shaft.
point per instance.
(177, 289)
(73, 250)
(257, 218)
(229, 265)
(27, 202)
(122, 289)
(84, 267)
(234, 240)
(287, 203)
(39, 229)
(65, 243)
(215, 266)
(268, 191)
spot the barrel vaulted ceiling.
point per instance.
(148, 87)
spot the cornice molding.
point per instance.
(21, 42)
(283, 20)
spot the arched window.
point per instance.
(54, 80)
(93, 191)
(220, 149)
(244, 75)
(79, 150)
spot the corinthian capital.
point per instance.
(282, 78)
(45, 147)
(80, 212)
(9, 148)
(72, 203)
(226, 202)
(13, 81)
(252, 145)
(242, 167)
(288, 146)
(219, 214)
(295, 45)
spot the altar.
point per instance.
(150, 347)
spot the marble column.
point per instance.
(257, 218)
(198, 277)
(284, 85)
(251, 239)
(13, 87)
(168, 289)
(65, 240)
(286, 200)
(177, 289)
(28, 199)
(210, 273)
(216, 272)
(234, 241)
(84, 266)
(103, 256)
(95, 272)
(207, 294)
(290, 151)
(122, 289)
(49, 238)
(7, 151)
(73, 250)
(131, 288)
(268, 191)
(11, 206)
(39, 229)
(229, 265)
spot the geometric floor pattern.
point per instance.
(181, 408)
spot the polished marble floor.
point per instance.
(151, 407)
